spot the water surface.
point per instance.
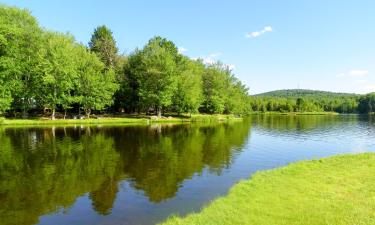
(143, 174)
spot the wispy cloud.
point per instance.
(215, 54)
(182, 50)
(354, 73)
(213, 58)
(255, 34)
(231, 66)
(369, 88)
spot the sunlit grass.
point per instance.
(120, 120)
(336, 190)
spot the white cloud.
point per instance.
(212, 59)
(208, 60)
(369, 88)
(268, 29)
(354, 73)
(361, 81)
(358, 73)
(255, 34)
(231, 66)
(182, 50)
(215, 55)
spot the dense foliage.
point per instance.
(48, 72)
(44, 70)
(305, 101)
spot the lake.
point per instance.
(143, 174)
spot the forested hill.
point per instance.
(304, 93)
(302, 100)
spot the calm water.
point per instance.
(143, 174)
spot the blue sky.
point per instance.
(271, 44)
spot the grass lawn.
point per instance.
(336, 190)
(119, 120)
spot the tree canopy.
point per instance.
(42, 70)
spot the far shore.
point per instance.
(295, 113)
(146, 119)
(125, 119)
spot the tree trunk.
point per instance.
(88, 112)
(64, 114)
(159, 111)
(53, 114)
(24, 113)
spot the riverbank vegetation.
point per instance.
(44, 72)
(336, 190)
(299, 100)
(126, 119)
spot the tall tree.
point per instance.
(104, 45)
(96, 85)
(59, 71)
(156, 73)
(20, 45)
(215, 88)
(188, 96)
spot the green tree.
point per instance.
(214, 88)
(367, 103)
(237, 100)
(95, 85)
(104, 45)
(59, 71)
(188, 96)
(156, 73)
(20, 45)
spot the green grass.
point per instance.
(118, 120)
(336, 190)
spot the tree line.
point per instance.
(46, 70)
(313, 101)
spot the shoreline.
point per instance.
(297, 113)
(141, 120)
(320, 191)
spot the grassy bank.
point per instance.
(336, 190)
(119, 120)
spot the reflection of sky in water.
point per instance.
(268, 143)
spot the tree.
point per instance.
(188, 96)
(237, 99)
(95, 85)
(59, 71)
(367, 103)
(214, 88)
(156, 73)
(20, 46)
(127, 97)
(103, 44)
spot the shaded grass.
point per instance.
(336, 190)
(119, 120)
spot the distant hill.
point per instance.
(303, 93)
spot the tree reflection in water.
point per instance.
(43, 170)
